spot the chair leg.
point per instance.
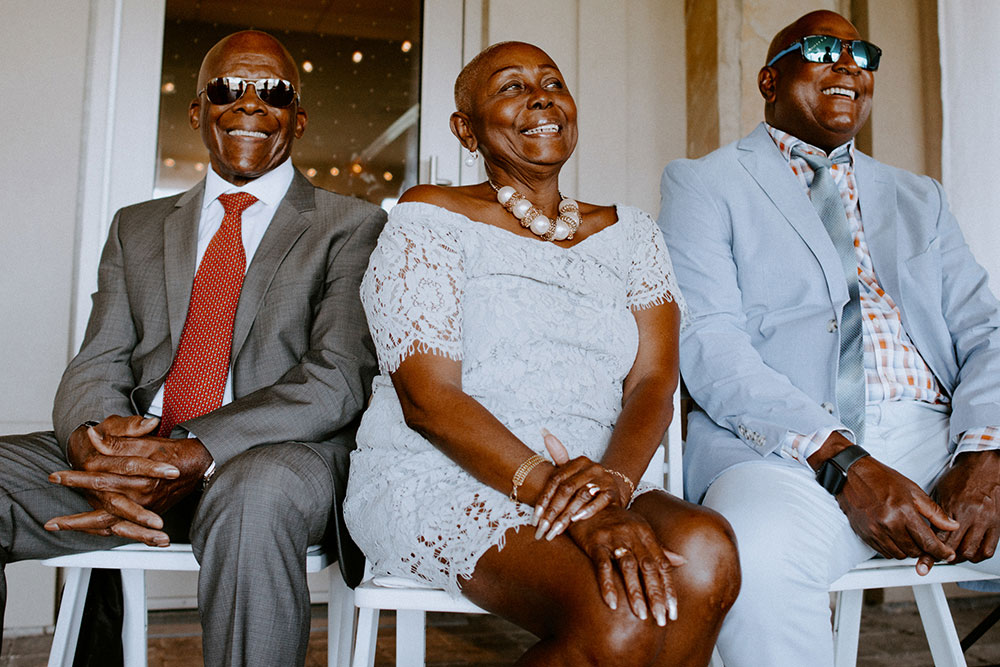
(367, 634)
(135, 621)
(67, 630)
(847, 627)
(340, 620)
(939, 627)
(411, 637)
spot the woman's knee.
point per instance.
(707, 541)
(615, 637)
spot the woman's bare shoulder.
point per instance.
(461, 200)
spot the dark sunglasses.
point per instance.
(827, 49)
(227, 89)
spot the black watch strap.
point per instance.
(832, 475)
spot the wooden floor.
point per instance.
(891, 636)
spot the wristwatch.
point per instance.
(209, 474)
(832, 475)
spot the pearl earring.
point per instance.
(470, 159)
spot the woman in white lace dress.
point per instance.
(490, 328)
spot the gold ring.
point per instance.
(592, 488)
(621, 552)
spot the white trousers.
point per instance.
(794, 540)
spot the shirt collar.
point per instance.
(269, 188)
(786, 142)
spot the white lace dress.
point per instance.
(545, 336)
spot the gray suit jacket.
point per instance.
(765, 286)
(302, 360)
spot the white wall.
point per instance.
(971, 99)
(624, 64)
(45, 55)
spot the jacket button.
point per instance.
(828, 407)
(831, 326)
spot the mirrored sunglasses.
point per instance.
(227, 89)
(827, 49)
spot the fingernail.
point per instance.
(545, 432)
(642, 612)
(172, 473)
(672, 608)
(148, 420)
(535, 516)
(612, 602)
(660, 614)
(582, 514)
(543, 527)
(921, 569)
(51, 526)
(556, 529)
(55, 478)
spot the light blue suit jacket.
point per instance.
(765, 288)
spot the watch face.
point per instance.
(831, 477)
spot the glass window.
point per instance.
(360, 68)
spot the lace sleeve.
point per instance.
(412, 291)
(651, 278)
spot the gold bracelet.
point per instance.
(522, 472)
(631, 486)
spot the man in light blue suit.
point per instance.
(843, 348)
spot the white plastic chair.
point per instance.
(412, 599)
(133, 560)
(939, 628)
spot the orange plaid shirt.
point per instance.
(894, 369)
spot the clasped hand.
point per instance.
(896, 518)
(129, 476)
(581, 496)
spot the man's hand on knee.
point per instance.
(970, 492)
(129, 474)
(891, 514)
(99, 522)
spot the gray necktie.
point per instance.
(825, 197)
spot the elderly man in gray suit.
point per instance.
(844, 347)
(223, 372)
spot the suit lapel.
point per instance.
(877, 202)
(287, 225)
(180, 246)
(765, 164)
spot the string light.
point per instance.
(406, 46)
(357, 56)
(307, 66)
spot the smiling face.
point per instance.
(518, 112)
(247, 138)
(824, 104)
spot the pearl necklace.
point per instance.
(560, 229)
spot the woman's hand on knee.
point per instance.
(628, 557)
(577, 490)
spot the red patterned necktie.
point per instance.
(197, 378)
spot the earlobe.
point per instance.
(766, 83)
(301, 120)
(462, 130)
(194, 114)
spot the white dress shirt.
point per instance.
(269, 190)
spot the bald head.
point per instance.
(248, 45)
(822, 103)
(478, 70)
(812, 23)
(246, 137)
